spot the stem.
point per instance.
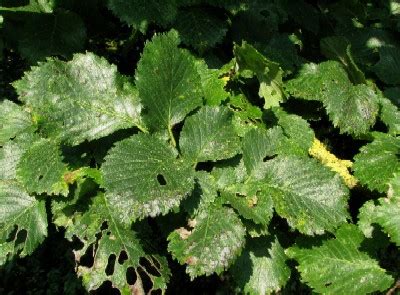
(171, 136)
(142, 128)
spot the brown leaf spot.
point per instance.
(183, 233)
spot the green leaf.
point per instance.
(39, 35)
(204, 193)
(142, 177)
(386, 213)
(312, 198)
(246, 115)
(282, 48)
(356, 112)
(200, 28)
(41, 169)
(83, 99)
(303, 13)
(261, 269)
(338, 48)
(98, 228)
(33, 6)
(140, 13)
(209, 135)
(23, 221)
(388, 67)
(14, 120)
(339, 267)
(256, 145)
(268, 73)
(251, 200)
(390, 115)
(11, 152)
(351, 108)
(377, 161)
(168, 83)
(315, 80)
(211, 246)
(393, 93)
(394, 186)
(298, 132)
(213, 87)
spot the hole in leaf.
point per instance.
(267, 158)
(107, 288)
(77, 244)
(21, 237)
(204, 166)
(156, 263)
(87, 259)
(161, 180)
(104, 226)
(122, 257)
(13, 233)
(146, 280)
(240, 195)
(40, 177)
(131, 276)
(110, 265)
(149, 267)
(328, 284)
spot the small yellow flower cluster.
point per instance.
(320, 152)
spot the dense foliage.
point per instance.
(187, 146)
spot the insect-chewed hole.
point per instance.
(122, 257)
(12, 234)
(110, 265)
(21, 237)
(131, 276)
(146, 280)
(149, 267)
(161, 179)
(87, 259)
(267, 158)
(104, 226)
(40, 177)
(156, 263)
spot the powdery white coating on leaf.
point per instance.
(41, 169)
(251, 200)
(89, 227)
(312, 198)
(168, 82)
(339, 267)
(10, 155)
(351, 108)
(213, 244)
(21, 211)
(83, 99)
(14, 120)
(142, 177)
(209, 135)
(261, 269)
